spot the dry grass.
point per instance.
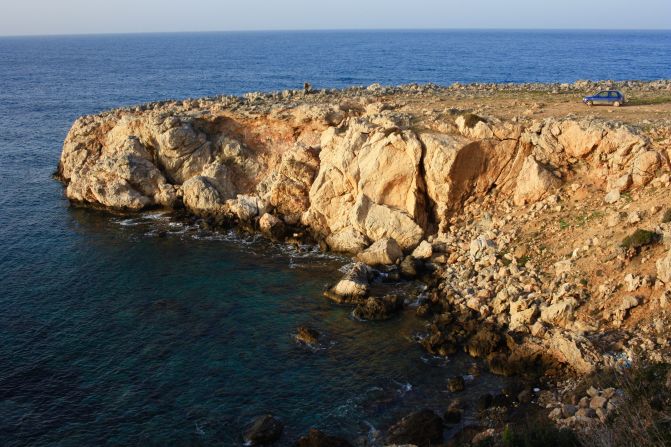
(643, 419)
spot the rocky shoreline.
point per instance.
(543, 240)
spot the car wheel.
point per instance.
(589, 103)
(616, 104)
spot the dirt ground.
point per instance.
(640, 106)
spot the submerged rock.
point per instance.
(455, 384)
(307, 335)
(265, 429)
(422, 428)
(316, 438)
(454, 412)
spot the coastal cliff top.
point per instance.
(647, 101)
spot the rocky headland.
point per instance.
(541, 226)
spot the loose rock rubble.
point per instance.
(596, 404)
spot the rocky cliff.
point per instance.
(543, 235)
(353, 169)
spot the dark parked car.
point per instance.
(612, 97)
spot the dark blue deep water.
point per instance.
(111, 335)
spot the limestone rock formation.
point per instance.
(369, 180)
(353, 172)
(457, 168)
(272, 226)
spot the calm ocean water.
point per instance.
(112, 335)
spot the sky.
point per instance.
(39, 17)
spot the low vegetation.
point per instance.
(648, 101)
(471, 120)
(639, 238)
(644, 417)
(666, 218)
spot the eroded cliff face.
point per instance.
(353, 171)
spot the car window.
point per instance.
(603, 95)
(613, 94)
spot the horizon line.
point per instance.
(299, 30)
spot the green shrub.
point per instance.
(666, 218)
(639, 238)
(471, 119)
(538, 433)
(521, 262)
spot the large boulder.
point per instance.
(522, 318)
(481, 247)
(557, 346)
(272, 226)
(263, 430)
(645, 167)
(200, 196)
(423, 251)
(573, 349)
(579, 138)
(378, 222)
(377, 309)
(559, 313)
(484, 342)
(245, 207)
(534, 182)
(664, 268)
(353, 286)
(383, 252)
(347, 240)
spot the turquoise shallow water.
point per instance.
(111, 335)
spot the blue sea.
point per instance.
(112, 335)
